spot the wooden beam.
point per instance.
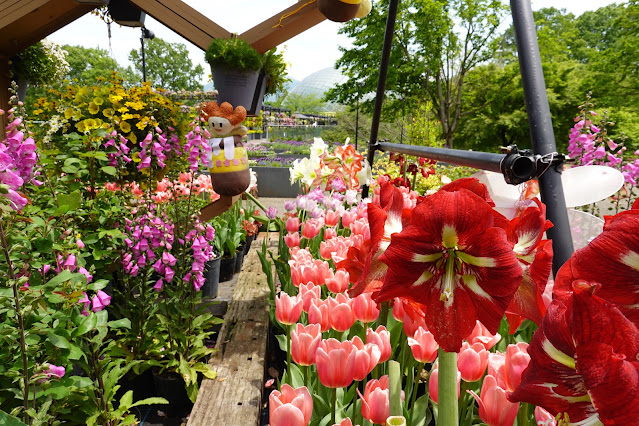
(11, 12)
(4, 93)
(218, 207)
(283, 26)
(184, 20)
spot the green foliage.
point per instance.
(88, 66)
(167, 65)
(299, 103)
(275, 69)
(39, 64)
(234, 53)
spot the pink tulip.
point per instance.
(309, 270)
(398, 309)
(335, 362)
(544, 418)
(423, 345)
(304, 343)
(308, 293)
(494, 408)
(375, 401)
(292, 240)
(381, 338)
(290, 407)
(329, 233)
(433, 382)
(472, 361)
(293, 225)
(331, 218)
(364, 308)
(345, 422)
(311, 228)
(496, 362)
(341, 312)
(318, 314)
(412, 324)
(517, 360)
(287, 309)
(366, 358)
(480, 334)
(349, 217)
(339, 282)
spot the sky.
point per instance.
(310, 51)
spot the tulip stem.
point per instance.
(305, 368)
(288, 352)
(447, 389)
(418, 373)
(333, 404)
(522, 414)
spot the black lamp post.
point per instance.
(146, 34)
(361, 84)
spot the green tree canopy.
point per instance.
(310, 104)
(167, 65)
(89, 65)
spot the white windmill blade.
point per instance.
(582, 185)
(583, 227)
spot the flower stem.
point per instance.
(333, 404)
(447, 389)
(23, 344)
(418, 373)
(288, 352)
(522, 414)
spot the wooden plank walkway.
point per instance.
(235, 396)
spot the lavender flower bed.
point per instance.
(271, 162)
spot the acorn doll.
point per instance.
(228, 163)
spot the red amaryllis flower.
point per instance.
(535, 257)
(611, 259)
(455, 261)
(384, 220)
(583, 361)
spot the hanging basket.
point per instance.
(338, 10)
(240, 88)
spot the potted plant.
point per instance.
(236, 67)
(274, 68)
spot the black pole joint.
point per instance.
(520, 166)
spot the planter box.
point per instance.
(274, 182)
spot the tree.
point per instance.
(310, 104)
(436, 43)
(89, 65)
(167, 65)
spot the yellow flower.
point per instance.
(138, 105)
(125, 127)
(68, 113)
(98, 101)
(37, 111)
(77, 115)
(132, 138)
(141, 124)
(93, 108)
(108, 112)
(115, 98)
(136, 157)
(81, 126)
(123, 109)
(127, 116)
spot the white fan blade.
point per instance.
(583, 227)
(588, 184)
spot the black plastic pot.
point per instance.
(227, 268)
(171, 387)
(240, 88)
(239, 258)
(141, 384)
(249, 241)
(212, 277)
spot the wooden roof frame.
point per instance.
(25, 22)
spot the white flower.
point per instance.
(445, 179)
(318, 148)
(365, 175)
(253, 183)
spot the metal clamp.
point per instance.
(522, 165)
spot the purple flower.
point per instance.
(85, 300)
(290, 205)
(100, 301)
(271, 213)
(158, 285)
(55, 371)
(80, 243)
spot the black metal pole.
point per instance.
(478, 160)
(143, 60)
(541, 132)
(357, 120)
(381, 83)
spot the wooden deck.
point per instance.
(235, 396)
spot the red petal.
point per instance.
(471, 184)
(526, 230)
(612, 381)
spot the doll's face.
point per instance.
(220, 126)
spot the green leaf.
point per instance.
(126, 400)
(73, 200)
(121, 323)
(71, 170)
(58, 341)
(109, 170)
(9, 420)
(43, 245)
(60, 278)
(150, 401)
(421, 413)
(86, 325)
(61, 210)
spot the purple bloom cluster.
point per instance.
(161, 147)
(272, 161)
(198, 237)
(121, 149)
(17, 161)
(197, 146)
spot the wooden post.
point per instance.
(5, 82)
